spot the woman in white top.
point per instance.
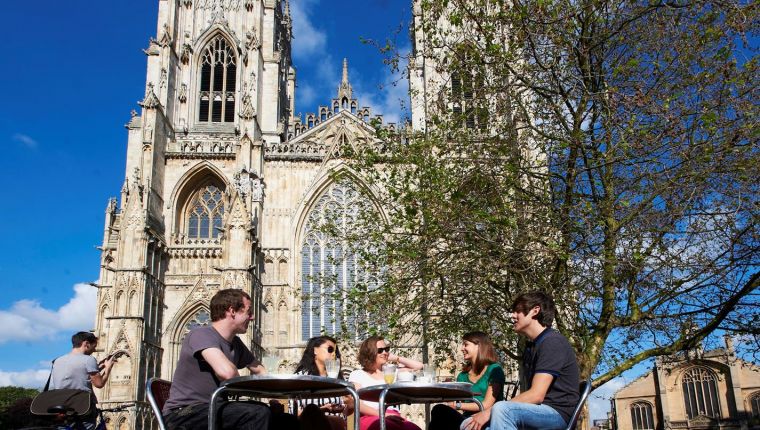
(373, 353)
(319, 412)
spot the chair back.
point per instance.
(157, 391)
(584, 390)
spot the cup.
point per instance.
(271, 363)
(332, 367)
(428, 373)
(405, 376)
(389, 372)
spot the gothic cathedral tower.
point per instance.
(219, 88)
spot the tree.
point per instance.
(603, 151)
(14, 407)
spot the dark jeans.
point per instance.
(443, 417)
(231, 416)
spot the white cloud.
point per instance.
(30, 378)
(25, 140)
(307, 39)
(28, 320)
(599, 400)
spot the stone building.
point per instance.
(695, 390)
(223, 188)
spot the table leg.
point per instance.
(355, 395)
(480, 404)
(381, 405)
(212, 409)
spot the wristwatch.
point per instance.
(458, 405)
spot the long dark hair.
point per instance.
(307, 364)
(486, 352)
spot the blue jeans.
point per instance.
(513, 416)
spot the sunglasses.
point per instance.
(382, 350)
(330, 349)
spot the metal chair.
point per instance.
(157, 391)
(584, 390)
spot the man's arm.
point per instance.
(223, 367)
(538, 388)
(99, 379)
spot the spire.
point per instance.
(344, 90)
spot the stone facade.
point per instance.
(222, 184)
(710, 390)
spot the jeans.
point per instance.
(231, 416)
(514, 416)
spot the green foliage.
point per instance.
(615, 166)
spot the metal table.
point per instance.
(417, 392)
(283, 387)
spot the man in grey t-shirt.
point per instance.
(208, 356)
(80, 370)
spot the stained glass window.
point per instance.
(329, 267)
(700, 393)
(205, 213)
(217, 87)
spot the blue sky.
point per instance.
(70, 76)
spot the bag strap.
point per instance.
(47, 384)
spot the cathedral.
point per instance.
(224, 188)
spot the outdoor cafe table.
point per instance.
(282, 387)
(417, 392)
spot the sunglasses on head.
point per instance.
(382, 350)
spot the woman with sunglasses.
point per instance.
(373, 353)
(328, 413)
(481, 369)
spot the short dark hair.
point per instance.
(527, 301)
(368, 352)
(486, 351)
(225, 299)
(83, 336)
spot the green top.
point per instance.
(493, 376)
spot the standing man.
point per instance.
(210, 355)
(79, 370)
(550, 369)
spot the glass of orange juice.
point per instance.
(389, 372)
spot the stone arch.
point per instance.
(198, 175)
(118, 304)
(176, 331)
(269, 270)
(133, 305)
(282, 269)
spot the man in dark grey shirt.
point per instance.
(208, 356)
(550, 369)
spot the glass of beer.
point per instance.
(389, 372)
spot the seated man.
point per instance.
(80, 371)
(208, 356)
(550, 369)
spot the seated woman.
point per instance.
(482, 369)
(373, 353)
(326, 413)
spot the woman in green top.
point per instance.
(482, 369)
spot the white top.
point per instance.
(364, 379)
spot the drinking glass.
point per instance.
(428, 373)
(389, 372)
(271, 362)
(332, 367)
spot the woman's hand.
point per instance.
(479, 420)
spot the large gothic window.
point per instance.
(641, 416)
(200, 319)
(700, 393)
(329, 267)
(217, 89)
(205, 212)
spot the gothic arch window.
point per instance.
(204, 213)
(329, 268)
(269, 274)
(700, 393)
(201, 318)
(641, 416)
(469, 103)
(754, 404)
(118, 304)
(217, 87)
